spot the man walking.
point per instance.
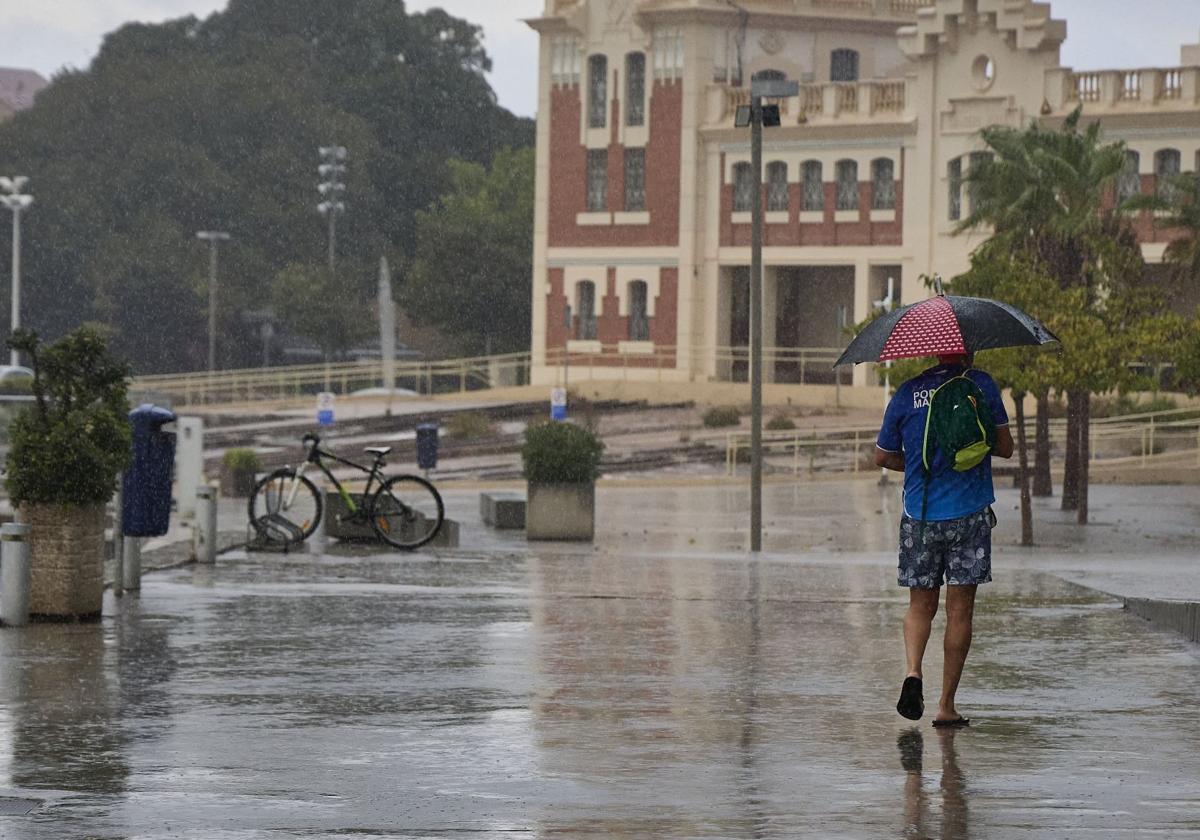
(945, 531)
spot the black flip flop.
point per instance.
(912, 703)
(957, 723)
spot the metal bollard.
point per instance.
(205, 534)
(133, 563)
(119, 541)
(14, 574)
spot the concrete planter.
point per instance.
(238, 484)
(565, 512)
(66, 554)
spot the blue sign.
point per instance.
(325, 409)
(558, 404)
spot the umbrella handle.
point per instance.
(938, 287)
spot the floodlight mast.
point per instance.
(214, 238)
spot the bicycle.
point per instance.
(404, 511)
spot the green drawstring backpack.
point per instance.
(960, 423)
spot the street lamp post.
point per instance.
(213, 238)
(12, 198)
(756, 116)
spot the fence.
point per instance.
(801, 365)
(1140, 441)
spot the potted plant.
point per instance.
(561, 463)
(66, 452)
(239, 473)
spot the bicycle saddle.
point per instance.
(378, 450)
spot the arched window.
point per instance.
(843, 66)
(847, 185)
(635, 89)
(1129, 183)
(743, 188)
(954, 181)
(814, 188)
(639, 319)
(597, 91)
(883, 184)
(1167, 166)
(585, 305)
(777, 187)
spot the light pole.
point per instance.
(17, 202)
(213, 238)
(756, 116)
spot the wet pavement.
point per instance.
(593, 692)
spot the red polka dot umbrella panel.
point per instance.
(927, 329)
(945, 325)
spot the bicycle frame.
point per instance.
(374, 473)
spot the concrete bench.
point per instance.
(361, 531)
(501, 510)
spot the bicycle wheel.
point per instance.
(287, 511)
(407, 512)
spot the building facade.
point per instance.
(644, 186)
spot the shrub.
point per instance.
(560, 453)
(721, 416)
(70, 445)
(780, 423)
(242, 460)
(468, 425)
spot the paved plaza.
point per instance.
(661, 683)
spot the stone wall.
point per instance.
(66, 549)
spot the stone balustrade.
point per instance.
(833, 102)
(885, 8)
(1124, 90)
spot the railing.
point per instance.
(1143, 88)
(1084, 87)
(1131, 85)
(1170, 84)
(799, 365)
(843, 101)
(1134, 441)
(887, 96)
(847, 97)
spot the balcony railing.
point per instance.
(820, 102)
(1137, 89)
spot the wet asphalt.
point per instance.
(587, 692)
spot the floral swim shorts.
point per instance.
(956, 550)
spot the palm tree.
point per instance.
(1042, 192)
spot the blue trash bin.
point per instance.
(427, 446)
(146, 485)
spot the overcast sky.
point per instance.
(46, 35)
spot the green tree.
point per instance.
(474, 255)
(1042, 192)
(214, 124)
(331, 313)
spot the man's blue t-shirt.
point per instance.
(952, 494)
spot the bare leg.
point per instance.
(960, 612)
(918, 622)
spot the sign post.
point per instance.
(325, 408)
(558, 404)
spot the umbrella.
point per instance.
(945, 325)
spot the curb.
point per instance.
(1179, 616)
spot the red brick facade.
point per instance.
(568, 173)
